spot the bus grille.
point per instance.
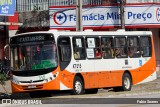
(31, 82)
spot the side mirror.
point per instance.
(6, 49)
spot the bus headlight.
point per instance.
(15, 81)
(51, 77)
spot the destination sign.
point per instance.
(31, 38)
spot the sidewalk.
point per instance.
(158, 72)
(7, 86)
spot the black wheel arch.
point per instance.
(80, 78)
(80, 75)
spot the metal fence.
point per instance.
(30, 5)
(142, 1)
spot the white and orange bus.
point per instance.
(81, 62)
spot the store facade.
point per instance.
(138, 17)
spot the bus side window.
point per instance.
(107, 46)
(66, 53)
(120, 47)
(133, 46)
(93, 47)
(146, 46)
(79, 48)
(64, 47)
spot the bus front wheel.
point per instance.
(78, 86)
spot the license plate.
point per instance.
(32, 86)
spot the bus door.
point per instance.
(64, 49)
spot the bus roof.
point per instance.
(90, 32)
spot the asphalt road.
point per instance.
(115, 101)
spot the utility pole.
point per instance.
(122, 14)
(79, 26)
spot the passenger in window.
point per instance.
(146, 51)
(97, 53)
(37, 56)
(76, 54)
(102, 46)
(137, 53)
(109, 43)
(117, 53)
(108, 54)
(131, 52)
(112, 51)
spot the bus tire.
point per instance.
(91, 91)
(126, 82)
(78, 86)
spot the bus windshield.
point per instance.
(33, 56)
